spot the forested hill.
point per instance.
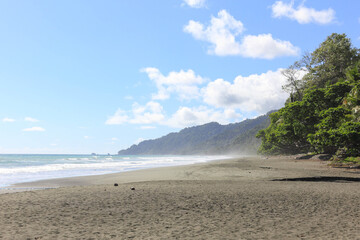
(210, 138)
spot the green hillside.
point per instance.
(210, 138)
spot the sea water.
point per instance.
(17, 168)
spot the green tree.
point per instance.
(330, 61)
(326, 137)
(324, 112)
(348, 139)
(288, 129)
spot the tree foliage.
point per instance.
(327, 65)
(325, 116)
(330, 61)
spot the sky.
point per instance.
(98, 76)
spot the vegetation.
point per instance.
(322, 114)
(211, 138)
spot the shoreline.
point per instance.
(146, 174)
(90, 168)
(240, 198)
(179, 172)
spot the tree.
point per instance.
(326, 137)
(288, 130)
(330, 61)
(305, 62)
(324, 112)
(294, 83)
(320, 122)
(295, 79)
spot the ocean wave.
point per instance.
(66, 166)
(81, 166)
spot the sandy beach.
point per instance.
(242, 198)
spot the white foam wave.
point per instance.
(81, 166)
(67, 166)
(99, 165)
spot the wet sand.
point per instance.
(244, 198)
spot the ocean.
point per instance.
(17, 168)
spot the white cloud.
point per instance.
(265, 46)
(195, 3)
(253, 94)
(139, 140)
(222, 33)
(34, 129)
(87, 137)
(151, 112)
(147, 127)
(114, 139)
(232, 114)
(8, 120)
(119, 117)
(257, 92)
(302, 14)
(183, 83)
(186, 117)
(30, 119)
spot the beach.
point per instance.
(240, 198)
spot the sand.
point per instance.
(229, 199)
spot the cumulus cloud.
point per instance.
(222, 32)
(147, 127)
(257, 92)
(265, 46)
(119, 117)
(302, 14)
(34, 129)
(186, 117)
(30, 119)
(151, 112)
(8, 120)
(195, 3)
(220, 100)
(183, 83)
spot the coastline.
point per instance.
(242, 165)
(241, 198)
(138, 175)
(25, 168)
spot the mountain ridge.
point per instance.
(210, 138)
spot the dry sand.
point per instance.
(230, 199)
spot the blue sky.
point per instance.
(99, 76)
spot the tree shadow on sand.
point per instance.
(320, 179)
